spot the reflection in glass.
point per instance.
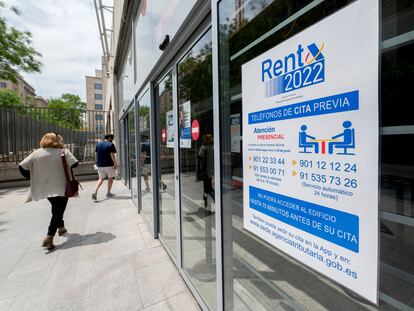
(144, 122)
(166, 180)
(126, 87)
(197, 168)
(155, 20)
(259, 276)
(122, 150)
(132, 155)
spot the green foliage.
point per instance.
(195, 75)
(9, 99)
(16, 50)
(67, 101)
(68, 110)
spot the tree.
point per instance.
(16, 50)
(67, 101)
(9, 99)
(68, 110)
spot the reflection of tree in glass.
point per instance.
(195, 72)
(164, 99)
(144, 116)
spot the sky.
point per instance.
(65, 32)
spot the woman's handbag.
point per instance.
(72, 185)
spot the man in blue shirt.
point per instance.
(106, 164)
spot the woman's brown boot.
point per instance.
(48, 242)
(62, 231)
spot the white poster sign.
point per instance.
(310, 147)
(169, 117)
(185, 125)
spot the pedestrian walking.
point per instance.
(105, 164)
(44, 167)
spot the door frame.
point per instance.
(172, 67)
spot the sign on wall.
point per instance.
(185, 124)
(310, 147)
(169, 117)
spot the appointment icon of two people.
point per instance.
(340, 142)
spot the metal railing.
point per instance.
(22, 128)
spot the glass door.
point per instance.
(132, 155)
(145, 168)
(166, 159)
(196, 162)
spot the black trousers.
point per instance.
(58, 208)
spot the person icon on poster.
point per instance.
(304, 143)
(348, 139)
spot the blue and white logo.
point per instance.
(294, 71)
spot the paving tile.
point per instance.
(23, 283)
(119, 248)
(179, 302)
(150, 257)
(113, 275)
(149, 240)
(118, 299)
(158, 283)
(70, 270)
(35, 260)
(143, 227)
(108, 261)
(5, 304)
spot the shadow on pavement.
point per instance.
(76, 240)
(122, 197)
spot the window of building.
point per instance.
(98, 106)
(3, 85)
(98, 86)
(98, 117)
(98, 96)
(99, 128)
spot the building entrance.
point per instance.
(185, 166)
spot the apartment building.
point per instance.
(95, 100)
(22, 88)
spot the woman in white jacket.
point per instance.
(45, 170)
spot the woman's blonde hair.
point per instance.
(51, 140)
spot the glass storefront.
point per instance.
(166, 170)
(182, 199)
(196, 157)
(258, 276)
(126, 89)
(145, 168)
(132, 154)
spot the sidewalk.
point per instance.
(107, 261)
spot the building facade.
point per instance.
(40, 102)
(95, 94)
(178, 88)
(22, 88)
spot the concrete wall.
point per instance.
(11, 177)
